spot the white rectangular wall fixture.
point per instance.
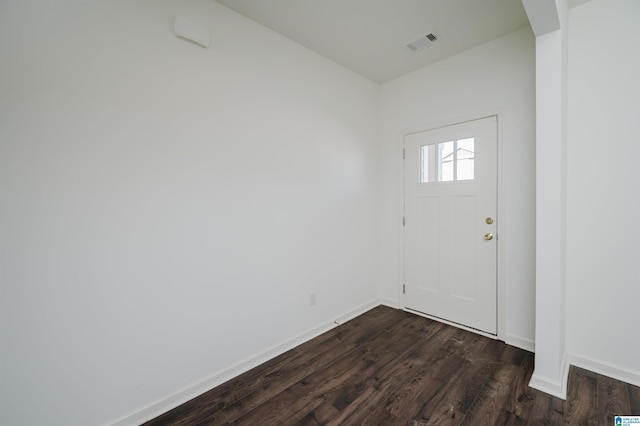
(191, 31)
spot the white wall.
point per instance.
(167, 209)
(603, 285)
(497, 77)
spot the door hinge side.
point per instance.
(404, 288)
(403, 221)
(403, 153)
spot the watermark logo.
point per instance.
(627, 420)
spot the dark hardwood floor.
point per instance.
(390, 367)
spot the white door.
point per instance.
(450, 223)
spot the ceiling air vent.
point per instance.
(422, 42)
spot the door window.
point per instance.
(447, 161)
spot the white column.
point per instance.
(548, 19)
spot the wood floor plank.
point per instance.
(446, 398)
(484, 366)
(413, 366)
(327, 379)
(438, 398)
(355, 366)
(487, 407)
(390, 367)
(613, 400)
(634, 399)
(363, 395)
(582, 392)
(508, 418)
(520, 400)
(318, 416)
(547, 410)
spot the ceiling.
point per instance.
(369, 36)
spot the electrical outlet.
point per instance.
(312, 298)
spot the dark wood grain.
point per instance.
(547, 410)
(613, 400)
(582, 398)
(634, 399)
(390, 367)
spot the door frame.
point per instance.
(499, 113)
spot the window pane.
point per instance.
(424, 163)
(465, 159)
(427, 163)
(445, 161)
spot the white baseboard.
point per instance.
(553, 386)
(604, 368)
(348, 316)
(390, 303)
(520, 342)
(559, 388)
(168, 403)
(548, 385)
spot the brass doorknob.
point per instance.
(488, 236)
